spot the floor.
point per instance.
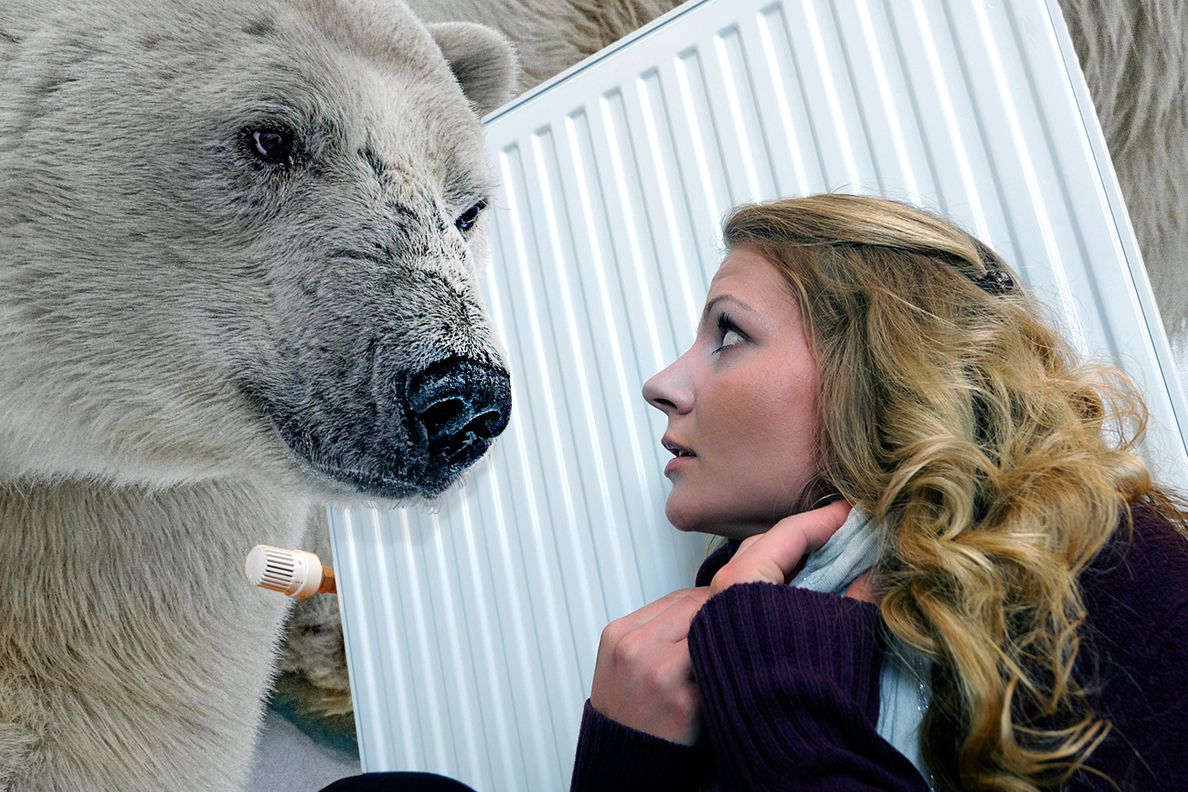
(297, 755)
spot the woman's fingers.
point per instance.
(690, 600)
(774, 554)
(643, 677)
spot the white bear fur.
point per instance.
(1135, 57)
(152, 272)
(549, 35)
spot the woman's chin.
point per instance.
(689, 520)
(684, 516)
(676, 517)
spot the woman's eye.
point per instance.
(729, 339)
(729, 333)
(272, 145)
(467, 219)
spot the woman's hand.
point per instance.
(643, 677)
(774, 555)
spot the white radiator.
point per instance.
(472, 631)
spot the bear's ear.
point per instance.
(481, 60)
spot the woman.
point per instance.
(1015, 609)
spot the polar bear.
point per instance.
(1135, 57)
(239, 246)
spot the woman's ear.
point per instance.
(482, 61)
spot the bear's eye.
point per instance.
(467, 219)
(272, 145)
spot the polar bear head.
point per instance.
(244, 240)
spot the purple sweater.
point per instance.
(789, 686)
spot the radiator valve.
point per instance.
(294, 572)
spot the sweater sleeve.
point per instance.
(1134, 658)
(611, 756)
(789, 687)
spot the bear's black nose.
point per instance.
(461, 405)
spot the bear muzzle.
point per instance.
(410, 433)
(459, 406)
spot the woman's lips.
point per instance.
(681, 456)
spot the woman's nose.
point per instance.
(669, 390)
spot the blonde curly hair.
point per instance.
(997, 463)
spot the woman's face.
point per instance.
(741, 406)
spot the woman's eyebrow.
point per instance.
(709, 306)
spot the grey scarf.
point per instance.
(904, 689)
